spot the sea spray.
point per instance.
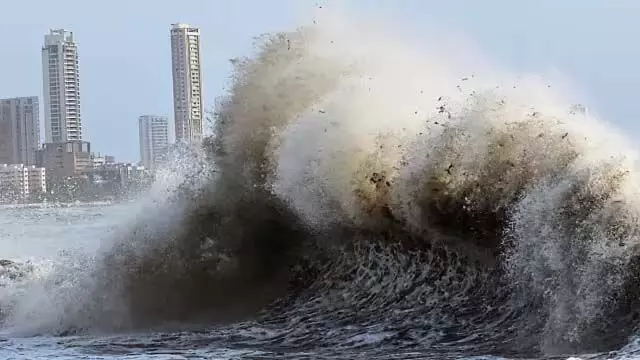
(362, 194)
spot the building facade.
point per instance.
(187, 83)
(154, 140)
(61, 87)
(19, 130)
(66, 160)
(37, 180)
(18, 182)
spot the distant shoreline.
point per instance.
(60, 204)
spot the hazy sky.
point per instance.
(125, 52)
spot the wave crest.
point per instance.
(370, 181)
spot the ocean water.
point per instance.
(362, 197)
(318, 325)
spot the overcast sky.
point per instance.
(125, 52)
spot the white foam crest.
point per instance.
(497, 142)
(37, 300)
(377, 105)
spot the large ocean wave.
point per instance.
(358, 191)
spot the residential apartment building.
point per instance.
(187, 83)
(18, 181)
(19, 130)
(37, 179)
(154, 140)
(61, 87)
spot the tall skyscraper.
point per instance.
(61, 80)
(154, 139)
(187, 83)
(19, 130)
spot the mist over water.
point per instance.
(362, 195)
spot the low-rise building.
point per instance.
(97, 160)
(37, 180)
(18, 182)
(66, 160)
(116, 179)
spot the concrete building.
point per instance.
(116, 180)
(97, 160)
(37, 179)
(65, 160)
(121, 172)
(19, 130)
(18, 181)
(187, 83)
(154, 140)
(61, 87)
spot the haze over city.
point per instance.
(124, 50)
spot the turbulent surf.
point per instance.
(360, 196)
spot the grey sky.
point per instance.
(125, 58)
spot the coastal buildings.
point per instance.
(61, 87)
(154, 140)
(19, 130)
(18, 182)
(65, 160)
(187, 83)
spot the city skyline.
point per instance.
(20, 133)
(126, 73)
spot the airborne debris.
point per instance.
(565, 135)
(448, 170)
(377, 178)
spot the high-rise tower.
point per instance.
(61, 82)
(154, 140)
(19, 130)
(187, 83)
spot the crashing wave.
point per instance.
(355, 186)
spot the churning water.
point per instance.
(360, 199)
